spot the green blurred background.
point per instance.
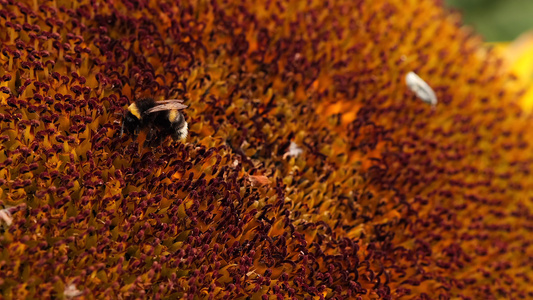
(496, 20)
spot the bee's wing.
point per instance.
(167, 106)
(170, 101)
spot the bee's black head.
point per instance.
(130, 123)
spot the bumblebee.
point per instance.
(160, 118)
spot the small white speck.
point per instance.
(71, 291)
(422, 90)
(235, 163)
(5, 216)
(294, 150)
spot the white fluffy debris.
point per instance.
(71, 291)
(422, 90)
(294, 150)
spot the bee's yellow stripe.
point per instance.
(134, 110)
(172, 115)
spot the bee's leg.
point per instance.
(134, 134)
(149, 137)
(159, 138)
(150, 134)
(121, 129)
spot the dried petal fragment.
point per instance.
(6, 217)
(259, 180)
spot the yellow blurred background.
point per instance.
(506, 25)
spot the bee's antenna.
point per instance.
(122, 128)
